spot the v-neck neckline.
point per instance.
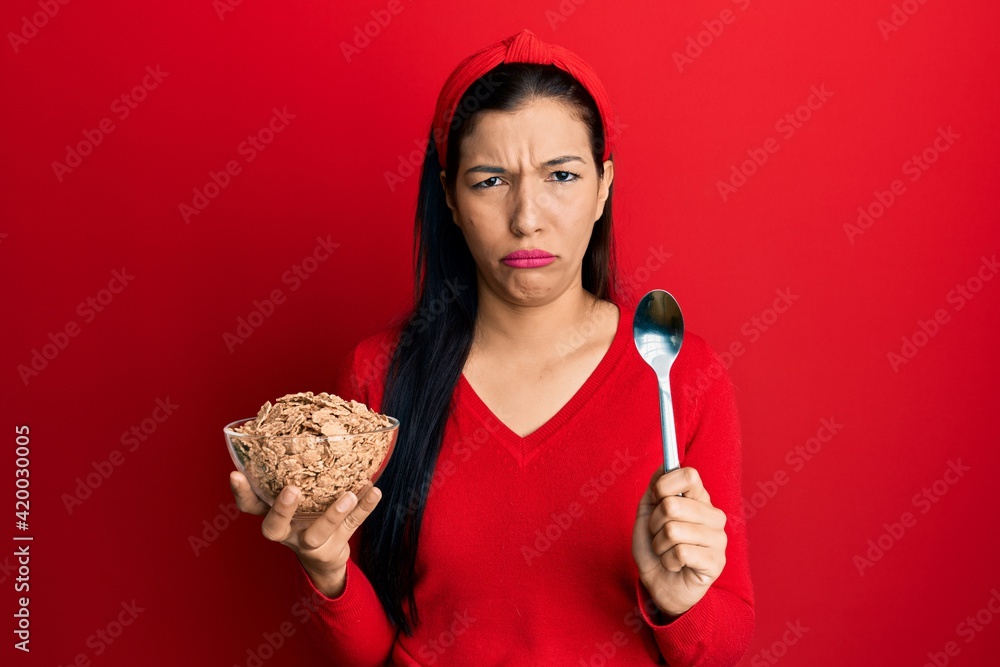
(526, 448)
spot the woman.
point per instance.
(524, 517)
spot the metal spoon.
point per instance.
(658, 330)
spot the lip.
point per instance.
(528, 259)
(534, 253)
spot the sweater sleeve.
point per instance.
(717, 630)
(352, 629)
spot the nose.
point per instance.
(529, 204)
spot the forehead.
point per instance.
(537, 131)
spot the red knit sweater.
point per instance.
(525, 551)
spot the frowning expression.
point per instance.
(527, 181)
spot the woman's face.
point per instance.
(527, 181)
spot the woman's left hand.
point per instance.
(678, 542)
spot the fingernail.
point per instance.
(290, 495)
(345, 502)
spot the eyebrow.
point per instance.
(491, 169)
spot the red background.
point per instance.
(324, 176)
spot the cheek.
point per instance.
(574, 205)
(574, 215)
(482, 228)
(477, 211)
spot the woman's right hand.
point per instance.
(321, 544)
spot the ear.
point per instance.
(604, 187)
(447, 196)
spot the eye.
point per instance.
(482, 184)
(566, 173)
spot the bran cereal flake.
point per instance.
(288, 446)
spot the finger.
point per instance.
(670, 561)
(681, 508)
(277, 525)
(317, 534)
(703, 560)
(649, 498)
(360, 512)
(246, 499)
(680, 532)
(656, 475)
(646, 503)
(682, 480)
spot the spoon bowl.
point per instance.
(658, 331)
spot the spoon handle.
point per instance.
(671, 460)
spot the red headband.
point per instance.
(524, 47)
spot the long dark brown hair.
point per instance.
(437, 334)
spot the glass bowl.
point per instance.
(322, 466)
